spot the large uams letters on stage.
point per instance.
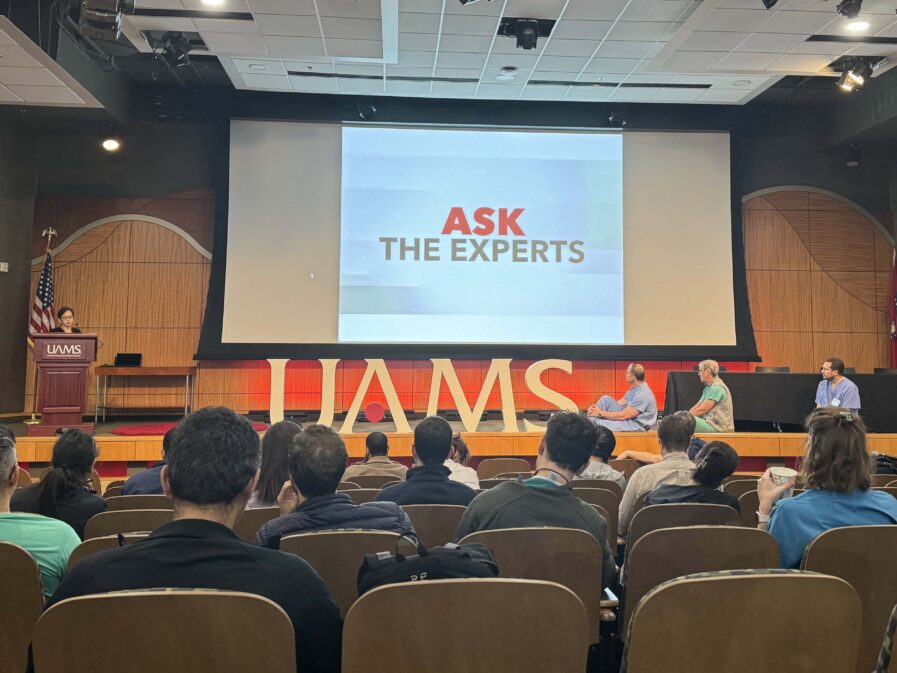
(499, 370)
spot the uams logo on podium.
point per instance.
(64, 350)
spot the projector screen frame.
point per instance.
(211, 347)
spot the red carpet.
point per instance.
(160, 429)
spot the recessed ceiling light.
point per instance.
(741, 82)
(257, 66)
(506, 74)
(213, 3)
(857, 26)
(111, 144)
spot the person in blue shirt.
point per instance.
(149, 482)
(837, 476)
(835, 389)
(635, 411)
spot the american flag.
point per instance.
(42, 319)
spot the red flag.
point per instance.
(892, 309)
(42, 317)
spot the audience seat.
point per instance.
(435, 524)
(514, 475)
(347, 485)
(663, 554)
(119, 502)
(113, 492)
(749, 503)
(489, 483)
(882, 479)
(453, 626)
(887, 662)
(362, 495)
(337, 555)
(199, 631)
(98, 544)
(376, 481)
(739, 487)
(745, 621)
(625, 465)
(609, 502)
(95, 484)
(126, 521)
(611, 527)
(606, 484)
(570, 557)
(491, 467)
(118, 483)
(654, 517)
(22, 599)
(866, 558)
(252, 520)
(23, 477)
(885, 370)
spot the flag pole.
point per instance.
(49, 233)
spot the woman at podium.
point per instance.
(66, 322)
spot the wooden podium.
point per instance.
(63, 361)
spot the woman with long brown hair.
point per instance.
(836, 473)
(275, 468)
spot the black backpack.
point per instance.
(450, 561)
(885, 464)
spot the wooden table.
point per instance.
(106, 371)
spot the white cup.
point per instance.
(782, 475)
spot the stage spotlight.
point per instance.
(845, 83)
(111, 144)
(176, 49)
(366, 111)
(615, 120)
(849, 8)
(101, 19)
(769, 4)
(527, 33)
(855, 75)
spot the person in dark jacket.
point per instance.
(309, 501)
(715, 462)
(149, 482)
(64, 491)
(428, 483)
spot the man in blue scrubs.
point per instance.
(835, 389)
(635, 411)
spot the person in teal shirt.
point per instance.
(837, 475)
(714, 411)
(49, 541)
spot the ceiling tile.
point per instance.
(6, 40)
(642, 30)
(280, 82)
(360, 85)
(796, 22)
(739, 20)
(820, 47)
(472, 9)
(315, 84)
(417, 41)
(236, 43)
(743, 82)
(547, 75)
(298, 7)
(455, 24)
(427, 6)
(806, 5)
(705, 40)
(293, 26)
(611, 65)
(678, 95)
(417, 22)
(366, 9)
(32, 76)
(722, 96)
(866, 49)
(465, 43)
(803, 63)
(7, 96)
(309, 65)
(558, 47)
(458, 60)
(693, 60)
(358, 69)
(659, 10)
(537, 9)
(618, 49)
(225, 26)
(416, 59)
(544, 91)
(338, 48)
(589, 93)
(520, 61)
(646, 93)
(16, 56)
(295, 46)
(877, 24)
(563, 63)
(876, 7)
(606, 10)
(271, 66)
(228, 6)
(651, 78)
(405, 71)
(352, 29)
(52, 95)
(454, 89)
(697, 79)
(162, 23)
(740, 60)
(403, 88)
(580, 30)
(499, 91)
(162, 4)
(463, 73)
(771, 42)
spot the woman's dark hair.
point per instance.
(836, 458)
(61, 312)
(73, 457)
(275, 468)
(715, 462)
(462, 451)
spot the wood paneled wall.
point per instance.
(818, 274)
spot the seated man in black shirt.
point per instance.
(212, 469)
(715, 462)
(428, 483)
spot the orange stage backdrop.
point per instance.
(136, 272)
